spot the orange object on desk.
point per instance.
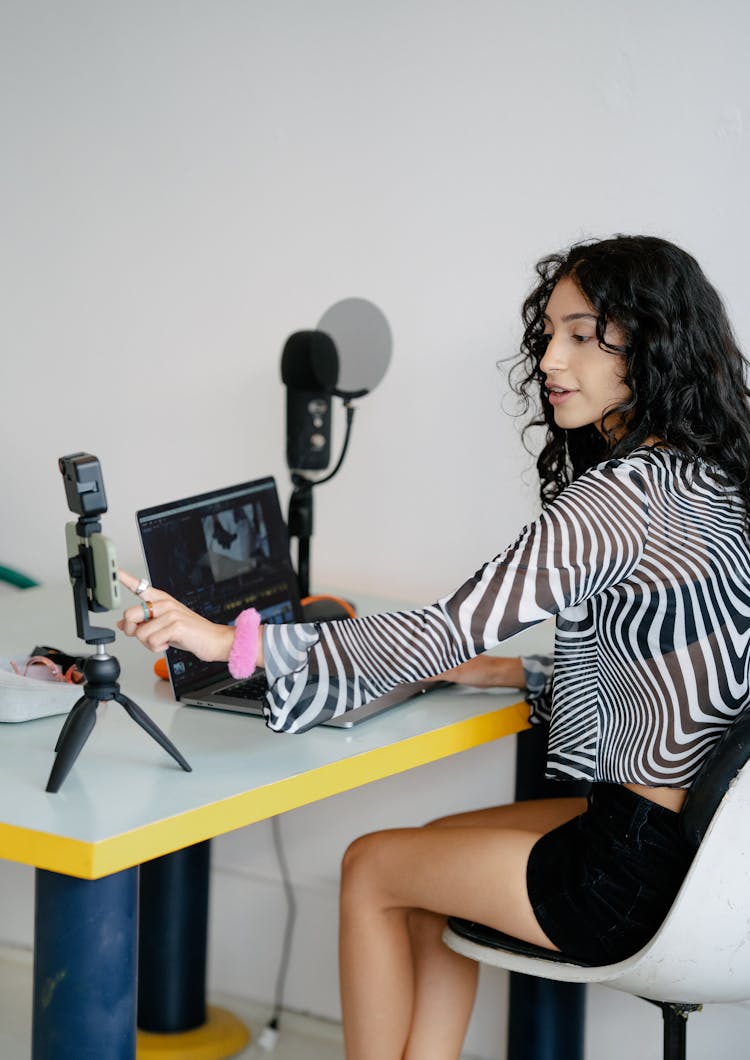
(326, 606)
(160, 669)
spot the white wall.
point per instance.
(184, 184)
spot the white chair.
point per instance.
(701, 953)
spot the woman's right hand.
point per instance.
(159, 622)
(488, 671)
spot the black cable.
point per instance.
(300, 483)
(286, 948)
(302, 480)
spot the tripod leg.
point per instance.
(76, 731)
(66, 726)
(141, 717)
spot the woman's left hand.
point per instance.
(159, 622)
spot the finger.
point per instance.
(174, 628)
(157, 634)
(142, 587)
(130, 622)
(128, 580)
(137, 615)
(130, 627)
(150, 637)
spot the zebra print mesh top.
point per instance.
(645, 563)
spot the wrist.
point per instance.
(225, 644)
(514, 675)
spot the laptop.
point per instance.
(219, 553)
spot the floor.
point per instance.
(300, 1037)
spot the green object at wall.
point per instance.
(14, 577)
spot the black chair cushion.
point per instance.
(498, 940)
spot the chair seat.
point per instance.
(498, 940)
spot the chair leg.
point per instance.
(675, 1027)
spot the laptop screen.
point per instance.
(219, 553)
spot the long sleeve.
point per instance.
(589, 539)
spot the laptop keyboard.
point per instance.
(254, 688)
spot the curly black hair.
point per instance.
(685, 372)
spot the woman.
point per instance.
(642, 554)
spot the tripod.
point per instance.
(101, 672)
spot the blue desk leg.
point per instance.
(173, 1017)
(85, 960)
(173, 935)
(546, 1019)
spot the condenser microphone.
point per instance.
(309, 370)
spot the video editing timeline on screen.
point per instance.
(218, 558)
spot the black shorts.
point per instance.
(601, 884)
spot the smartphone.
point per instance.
(106, 587)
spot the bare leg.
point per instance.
(445, 986)
(404, 995)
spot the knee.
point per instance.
(358, 864)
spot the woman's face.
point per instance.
(583, 380)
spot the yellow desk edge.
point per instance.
(91, 861)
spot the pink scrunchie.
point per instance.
(244, 651)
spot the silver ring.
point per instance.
(148, 611)
(141, 587)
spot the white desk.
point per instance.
(126, 802)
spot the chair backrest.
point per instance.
(719, 770)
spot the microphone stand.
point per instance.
(300, 520)
(100, 670)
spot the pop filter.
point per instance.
(362, 336)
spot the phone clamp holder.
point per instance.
(100, 670)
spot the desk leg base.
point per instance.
(222, 1035)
